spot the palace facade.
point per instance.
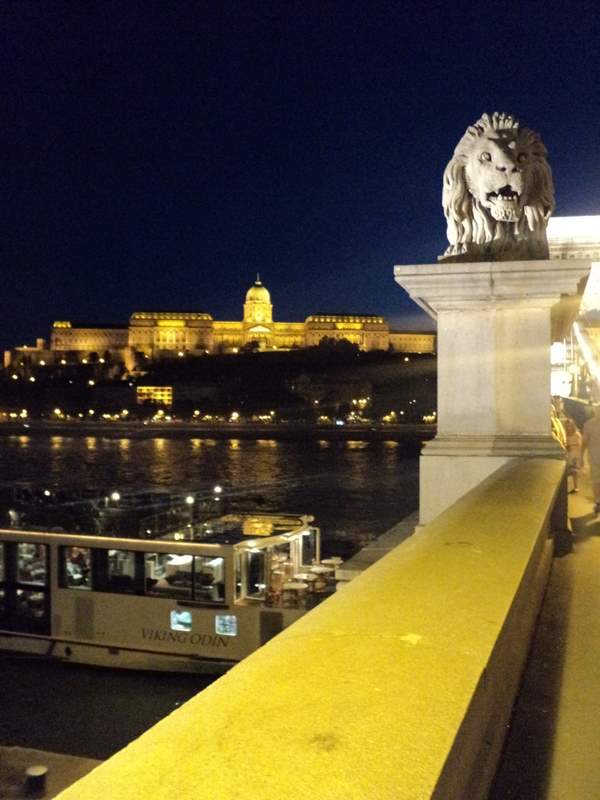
(160, 334)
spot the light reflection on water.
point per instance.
(355, 490)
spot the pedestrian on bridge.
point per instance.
(574, 442)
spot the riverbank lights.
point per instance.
(190, 500)
(234, 416)
(217, 491)
(91, 412)
(115, 496)
(32, 379)
(58, 412)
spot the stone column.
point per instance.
(494, 336)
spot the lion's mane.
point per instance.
(473, 233)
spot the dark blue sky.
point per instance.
(157, 154)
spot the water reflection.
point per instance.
(355, 490)
(352, 444)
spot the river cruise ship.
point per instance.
(197, 600)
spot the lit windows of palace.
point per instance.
(152, 334)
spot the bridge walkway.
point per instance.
(552, 751)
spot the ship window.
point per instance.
(30, 609)
(168, 575)
(121, 571)
(181, 620)
(255, 574)
(209, 579)
(31, 563)
(226, 625)
(308, 543)
(77, 567)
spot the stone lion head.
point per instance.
(498, 193)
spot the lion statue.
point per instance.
(498, 193)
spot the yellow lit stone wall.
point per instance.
(160, 395)
(413, 342)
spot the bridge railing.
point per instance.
(399, 686)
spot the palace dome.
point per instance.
(258, 293)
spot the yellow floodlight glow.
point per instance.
(586, 352)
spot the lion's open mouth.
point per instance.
(505, 193)
(504, 203)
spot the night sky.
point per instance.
(156, 155)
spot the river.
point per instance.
(355, 490)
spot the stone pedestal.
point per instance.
(494, 335)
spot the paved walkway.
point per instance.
(62, 771)
(553, 749)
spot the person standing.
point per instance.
(574, 443)
(591, 444)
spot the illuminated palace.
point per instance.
(160, 334)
